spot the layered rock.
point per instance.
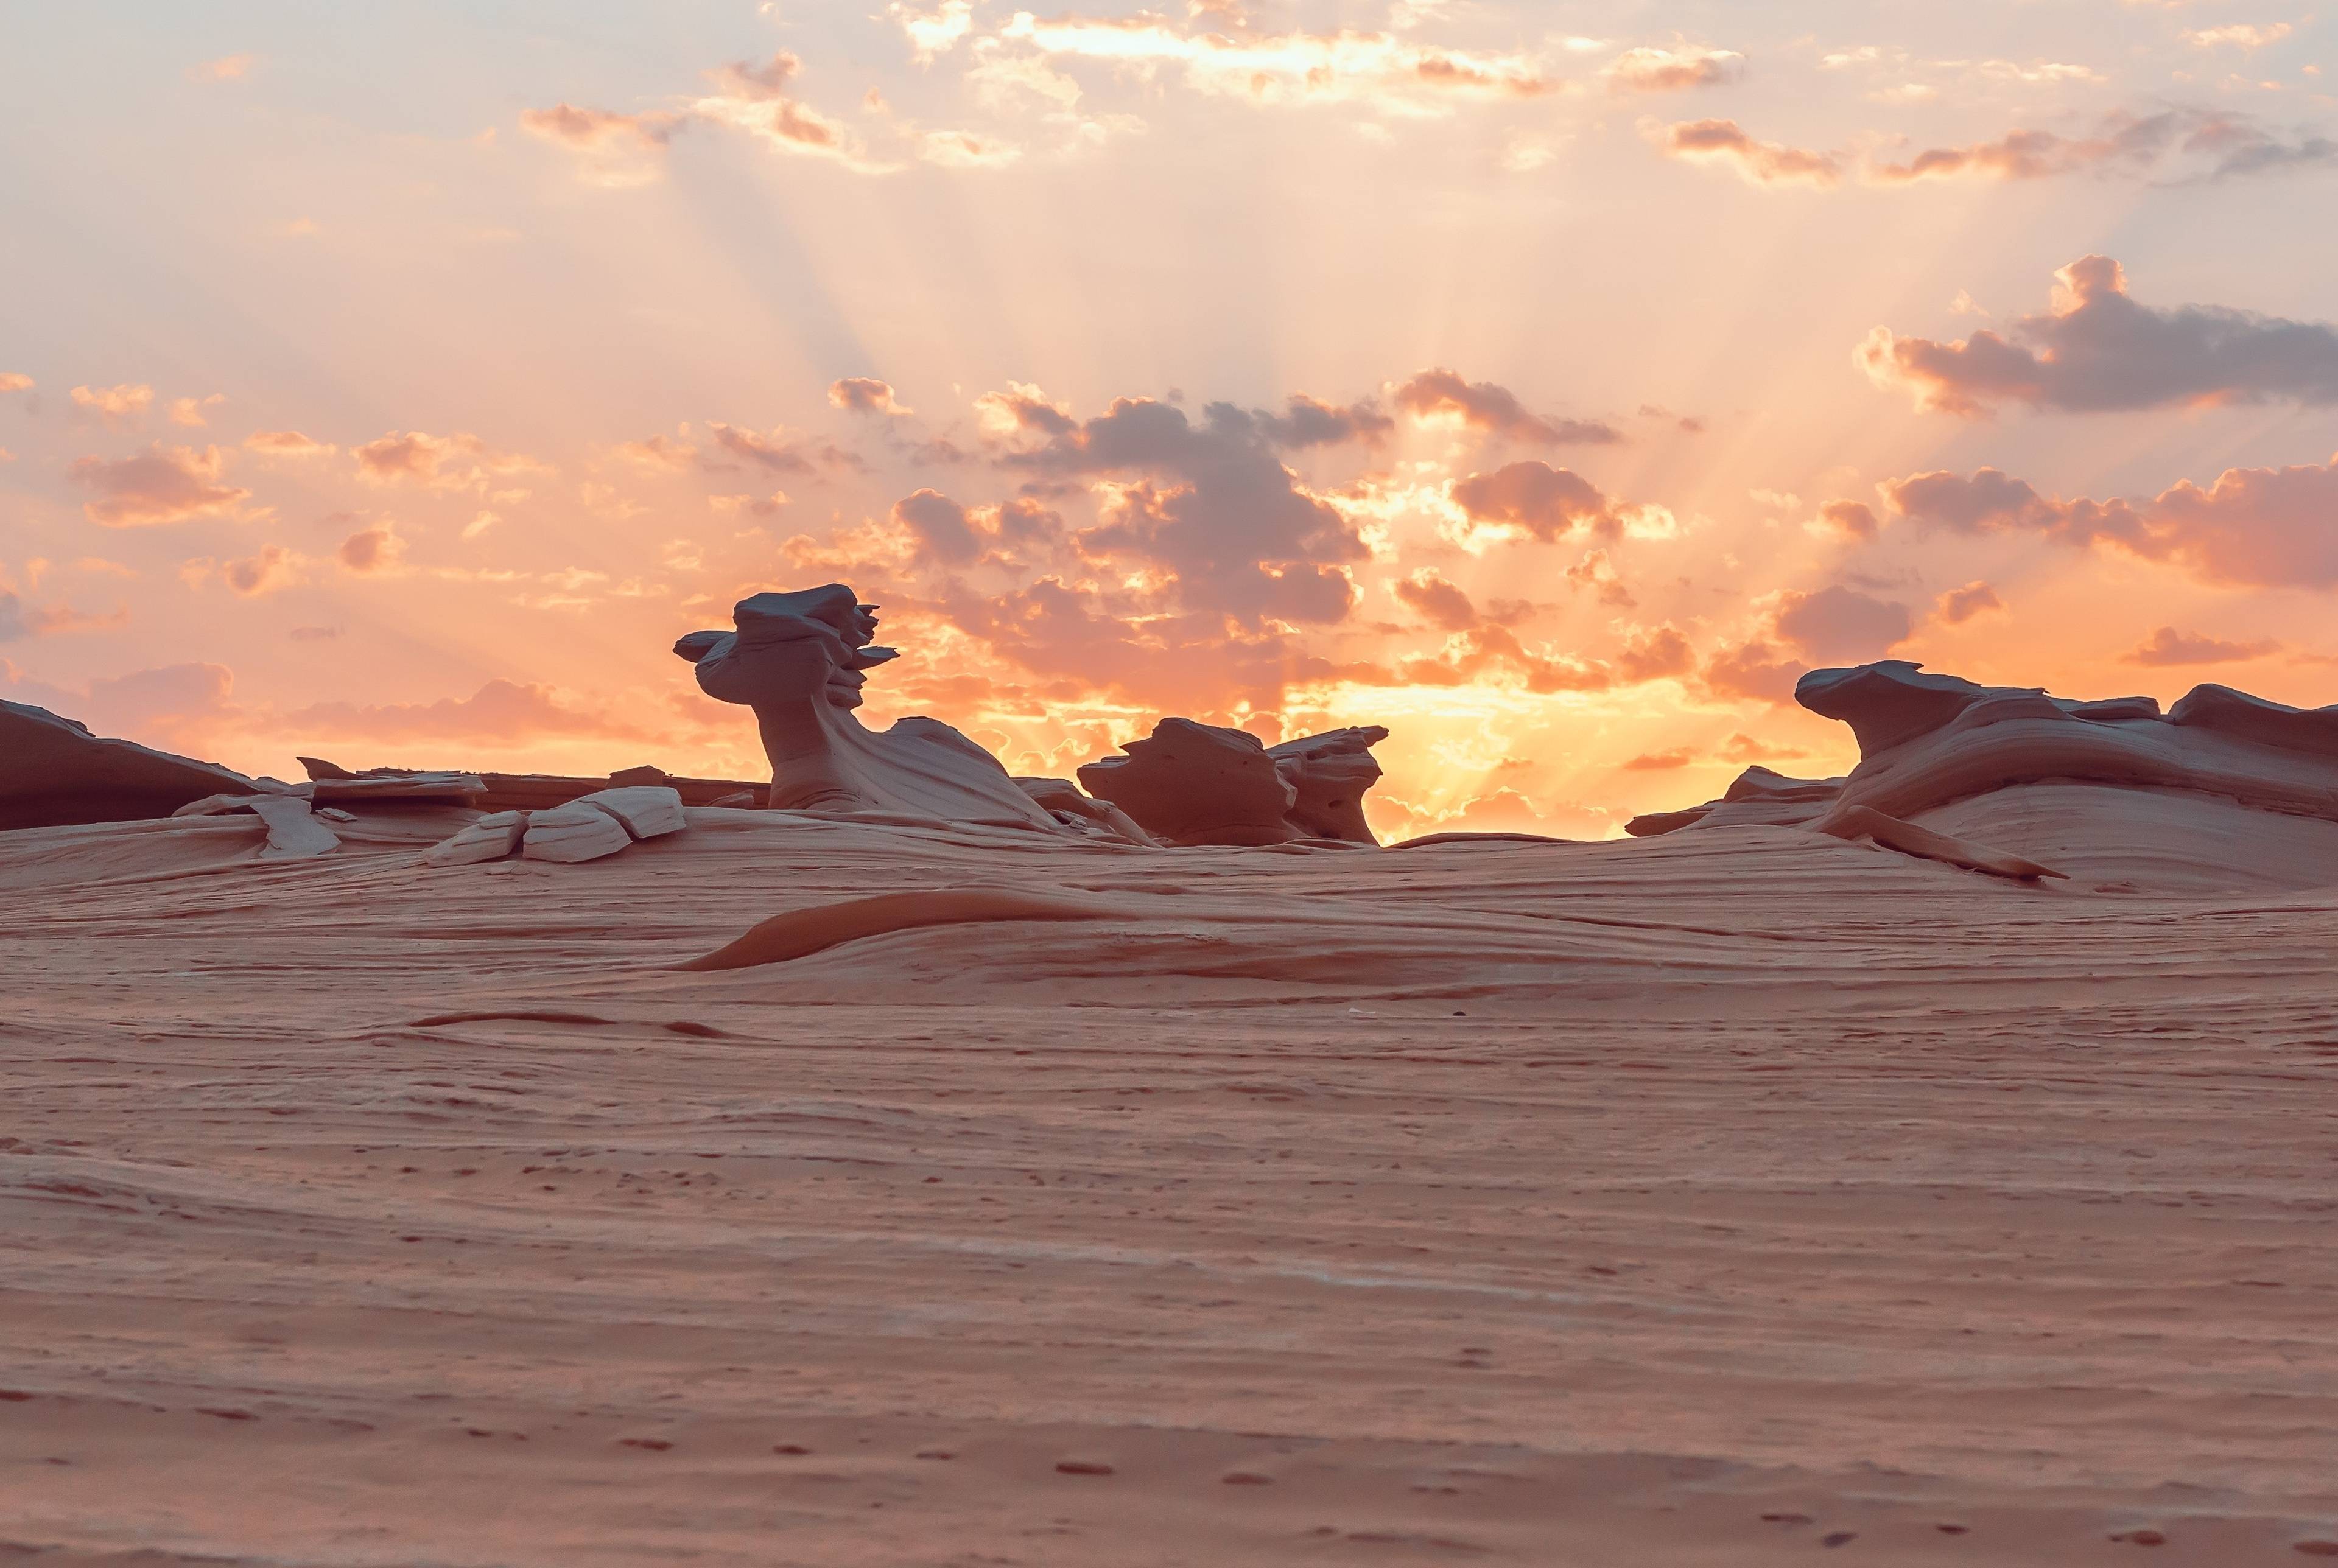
(589, 828)
(800, 661)
(55, 773)
(1194, 783)
(1929, 741)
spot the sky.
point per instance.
(1550, 383)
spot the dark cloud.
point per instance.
(2099, 349)
(1309, 422)
(1209, 503)
(1547, 502)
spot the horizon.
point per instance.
(397, 389)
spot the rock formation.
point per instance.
(54, 773)
(588, 828)
(1191, 783)
(1928, 742)
(798, 660)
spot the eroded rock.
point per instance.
(1194, 783)
(798, 661)
(55, 773)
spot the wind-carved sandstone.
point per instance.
(798, 659)
(1193, 783)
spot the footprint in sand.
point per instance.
(1082, 1467)
(657, 1445)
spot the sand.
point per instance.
(1732, 1197)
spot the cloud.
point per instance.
(273, 568)
(2096, 349)
(163, 485)
(1210, 504)
(226, 68)
(370, 550)
(1655, 653)
(1849, 519)
(500, 713)
(1756, 668)
(2174, 144)
(616, 150)
(939, 526)
(2253, 527)
(1840, 626)
(1435, 395)
(2239, 36)
(1959, 605)
(2168, 646)
(14, 381)
(1437, 600)
(755, 99)
(1660, 762)
(189, 411)
(452, 461)
(935, 32)
(1672, 70)
(861, 395)
(1308, 422)
(1380, 71)
(114, 405)
(1726, 144)
(161, 706)
(1546, 502)
(658, 454)
(287, 444)
(778, 452)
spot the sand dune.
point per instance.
(1704, 1198)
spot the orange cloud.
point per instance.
(286, 443)
(1726, 142)
(434, 460)
(1675, 70)
(369, 550)
(1483, 406)
(114, 405)
(861, 395)
(163, 485)
(1959, 605)
(1546, 502)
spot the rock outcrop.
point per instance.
(800, 661)
(1928, 743)
(589, 828)
(1193, 783)
(55, 773)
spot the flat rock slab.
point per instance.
(647, 810)
(574, 832)
(460, 788)
(491, 838)
(293, 831)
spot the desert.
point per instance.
(858, 1182)
(1168, 784)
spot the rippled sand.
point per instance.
(1718, 1198)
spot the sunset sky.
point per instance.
(1551, 383)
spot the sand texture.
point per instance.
(1719, 1197)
